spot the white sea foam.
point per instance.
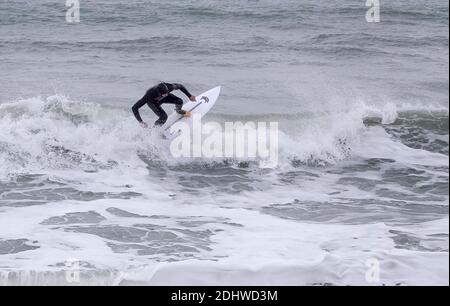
(242, 244)
(288, 253)
(57, 133)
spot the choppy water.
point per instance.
(364, 143)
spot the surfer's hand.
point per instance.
(193, 98)
(144, 125)
(187, 115)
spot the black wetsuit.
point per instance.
(154, 100)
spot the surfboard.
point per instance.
(201, 107)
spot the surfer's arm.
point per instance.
(177, 86)
(136, 108)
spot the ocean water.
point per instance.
(362, 184)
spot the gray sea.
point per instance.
(360, 195)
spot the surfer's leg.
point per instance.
(178, 102)
(157, 109)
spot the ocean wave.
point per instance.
(59, 133)
(39, 134)
(363, 39)
(150, 43)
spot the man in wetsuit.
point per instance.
(161, 94)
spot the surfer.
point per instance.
(161, 94)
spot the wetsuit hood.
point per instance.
(162, 89)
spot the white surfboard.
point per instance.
(201, 107)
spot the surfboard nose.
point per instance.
(215, 92)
